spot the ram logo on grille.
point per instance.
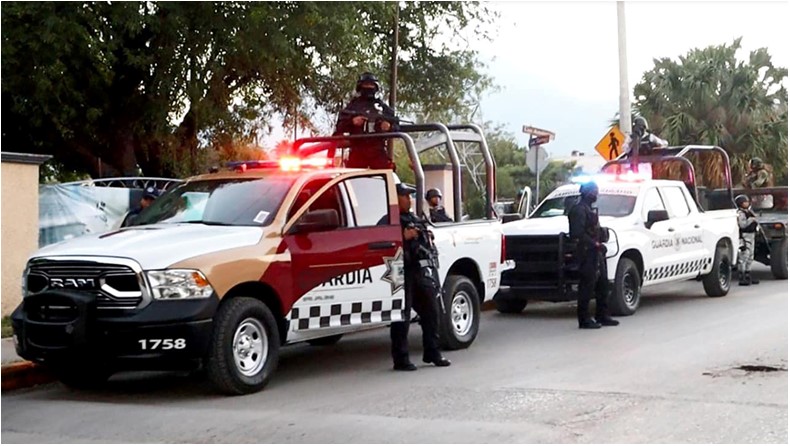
(81, 284)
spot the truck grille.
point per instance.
(115, 286)
(537, 259)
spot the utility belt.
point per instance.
(429, 263)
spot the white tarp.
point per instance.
(68, 211)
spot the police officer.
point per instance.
(647, 140)
(434, 199)
(366, 113)
(758, 176)
(748, 225)
(150, 194)
(421, 281)
(586, 232)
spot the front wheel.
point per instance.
(460, 320)
(244, 348)
(779, 259)
(717, 281)
(627, 292)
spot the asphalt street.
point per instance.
(685, 368)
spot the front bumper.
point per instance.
(63, 326)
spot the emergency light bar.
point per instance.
(286, 164)
(622, 177)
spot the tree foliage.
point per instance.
(107, 87)
(709, 96)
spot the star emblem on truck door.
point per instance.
(394, 273)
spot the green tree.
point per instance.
(710, 97)
(107, 87)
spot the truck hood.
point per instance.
(552, 225)
(157, 246)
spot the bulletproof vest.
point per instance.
(421, 251)
(751, 228)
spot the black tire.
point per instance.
(779, 259)
(79, 374)
(627, 292)
(510, 306)
(717, 281)
(325, 341)
(458, 326)
(238, 324)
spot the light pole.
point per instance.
(625, 93)
(394, 74)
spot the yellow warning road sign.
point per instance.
(610, 145)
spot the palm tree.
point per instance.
(711, 97)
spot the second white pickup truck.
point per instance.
(657, 235)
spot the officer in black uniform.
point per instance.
(149, 196)
(434, 199)
(366, 113)
(586, 232)
(421, 282)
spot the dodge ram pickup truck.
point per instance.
(226, 268)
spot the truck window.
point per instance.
(607, 205)
(330, 199)
(369, 202)
(652, 202)
(676, 202)
(226, 202)
(307, 192)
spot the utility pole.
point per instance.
(394, 73)
(625, 92)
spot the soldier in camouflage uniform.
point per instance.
(747, 222)
(758, 176)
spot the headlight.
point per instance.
(179, 284)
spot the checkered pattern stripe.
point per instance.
(677, 269)
(345, 313)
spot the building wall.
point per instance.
(19, 227)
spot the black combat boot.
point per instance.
(589, 324)
(743, 279)
(606, 321)
(753, 280)
(438, 360)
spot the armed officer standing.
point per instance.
(366, 113)
(647, 140)
(422, 287)
(758, 175)
(586, 232)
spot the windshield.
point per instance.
(607, 205)
(223, 202)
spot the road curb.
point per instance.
(19, 375)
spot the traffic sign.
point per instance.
(537, 159)
(538, 140)
(611, 144)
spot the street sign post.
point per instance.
(537, 157)
(611, 144)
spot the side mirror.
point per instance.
(317, 221)
(655, 217)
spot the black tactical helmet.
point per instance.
(740, 199)
(368, 77)
(433, 193)
(588, 188)
(641, 123)
(756, 163)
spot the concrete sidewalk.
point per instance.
(9, 352)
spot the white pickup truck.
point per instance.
(657, 234)
(225, 268)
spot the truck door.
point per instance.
(348, 273)
(687, 240)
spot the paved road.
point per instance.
(667, 374)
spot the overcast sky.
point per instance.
(557, 66)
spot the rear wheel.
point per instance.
(245, 347)
(460, 321)
(779, 259)
(627, 292)
(717, 281)
(510, 306)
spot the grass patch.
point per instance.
(7, 330)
